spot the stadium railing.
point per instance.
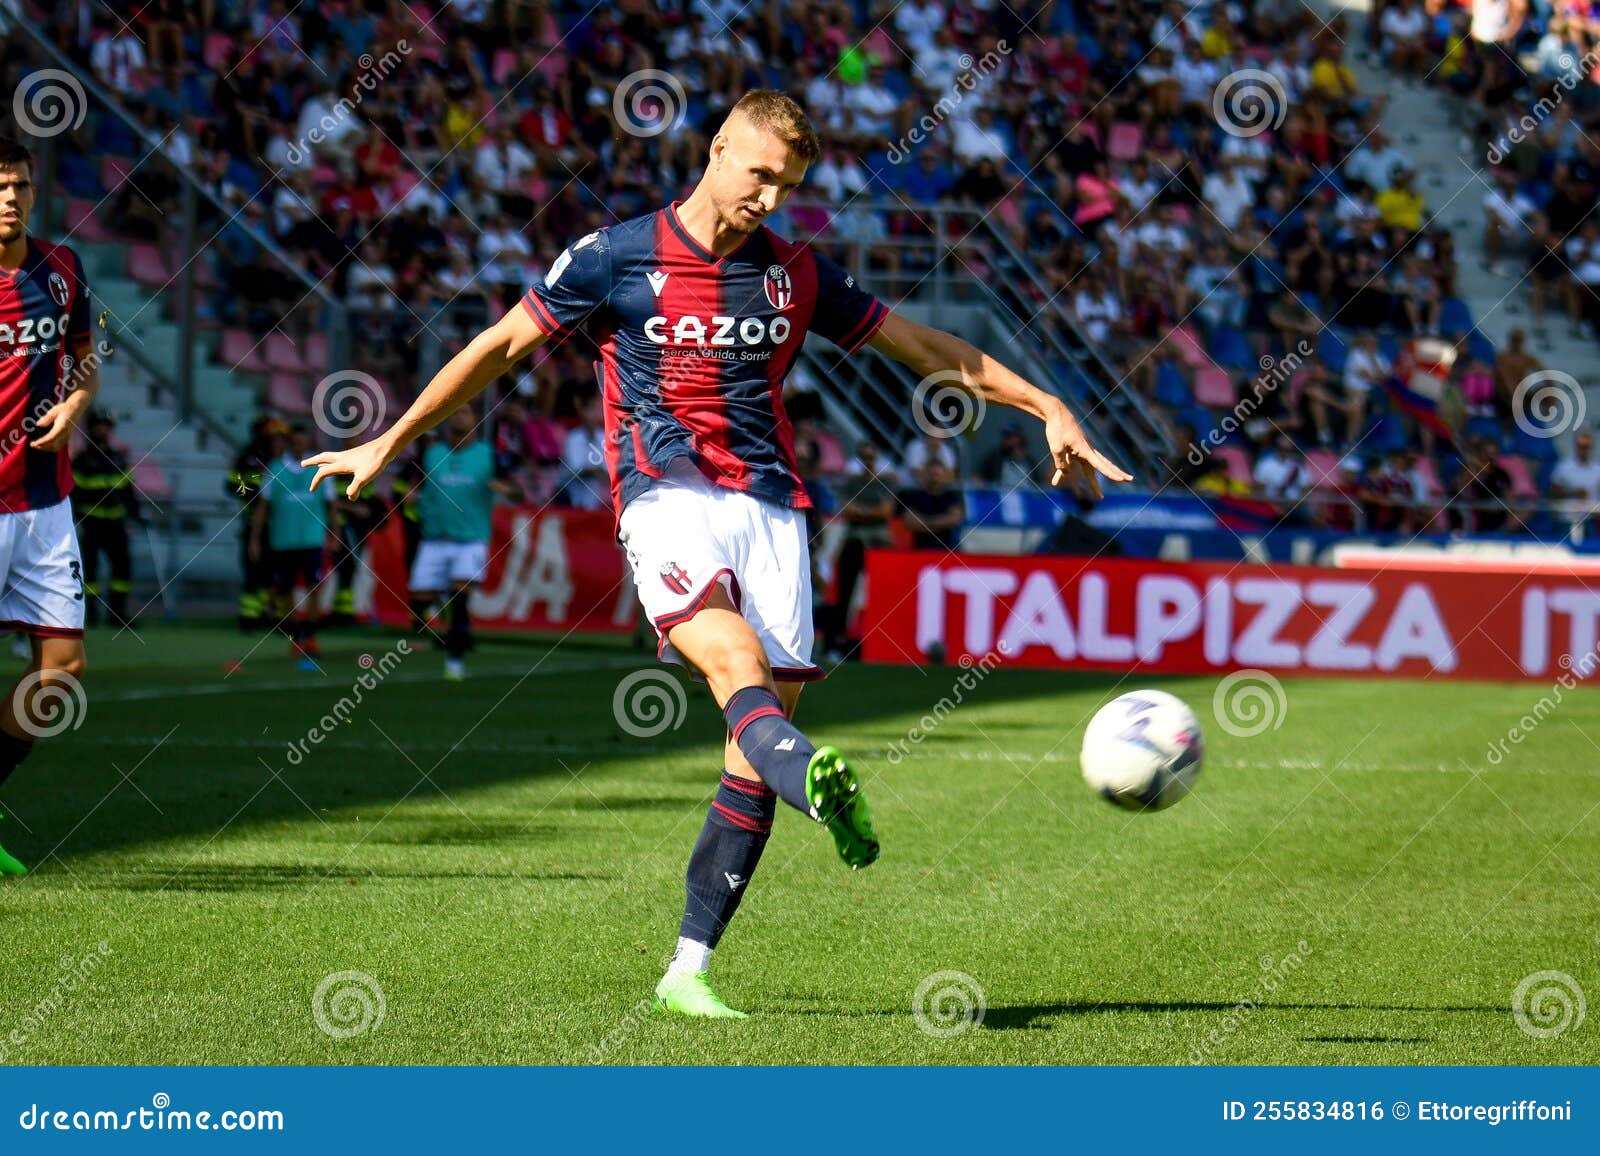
(229, 301)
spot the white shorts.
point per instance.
(440, 564)
(684, 535)
(41, 573)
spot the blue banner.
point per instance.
(865, 1110)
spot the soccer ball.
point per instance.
(1142, 750)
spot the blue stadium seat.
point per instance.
(1542, 450)
(1333, 350)
(1455, 316)
(1171, 387)
(113, 137)
(1231, 348)
(79, 176)
(1480, 346)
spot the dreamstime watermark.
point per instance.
(49, 102)
(942, 406)
(1548, 1003)
(1275, 371)
(1249, 102)
(373, 72)
(1249, 702)
(1573, 672)
(648, 703)
(1574, 72)
(1273, 973)
(636, 1015)
(48, 702)
(374, 671)
(649, 102)
(973, 673)
(947, 1003)
(973, 72)
(73, 974)
(1548, 403)
(348, 1004)
(348, 403)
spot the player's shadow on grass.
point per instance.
(176, 767)
(1029, 1016)
(207, 879)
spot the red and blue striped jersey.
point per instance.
(44, 328)
(694, 348)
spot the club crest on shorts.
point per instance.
(675, 577)
(780, 291)
(59, 291)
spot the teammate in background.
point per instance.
(359, 518)
(699, 311)
(453, 503)
(105, 502)
(294, 524)
(49, 374)
(268, 437)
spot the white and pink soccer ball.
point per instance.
(1143, 750)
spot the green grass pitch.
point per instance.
(1358, 885)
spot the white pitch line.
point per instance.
(332, 683)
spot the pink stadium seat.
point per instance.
(148, 266)
(113, 171)
(1522, 485)
(1238, 462)
(83, 225)
(151, 482)
(1125, 142)
(1214, 387)
(283, 355)
(316, 352)
(505, 60)
(240, 352)
(1324, 467)
(1428, 470)
(218, 51)
(553, 67)
(289, 393)
(1188, 347)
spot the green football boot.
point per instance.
(688, 994)
(835, 796)
(9, 865)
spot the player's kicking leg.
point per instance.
(51, 684)
(767, 758)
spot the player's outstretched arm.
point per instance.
(463, 377)
(928, 351)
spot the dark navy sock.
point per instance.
(725, 857)
(12, 751)
(765, 736)
(458, 635)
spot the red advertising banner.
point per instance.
(1197, 618)
(548, 570)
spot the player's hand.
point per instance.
(58, 423)
(363, 463)
(1073, 457)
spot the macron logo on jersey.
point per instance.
(657, 280)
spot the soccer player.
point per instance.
(453, 502)
(699, 310)
(49, 375)
(268, 437)
(293, 525)
(105, 501)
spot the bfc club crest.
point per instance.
(58, 289)
(779, 289)
(675, 577)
